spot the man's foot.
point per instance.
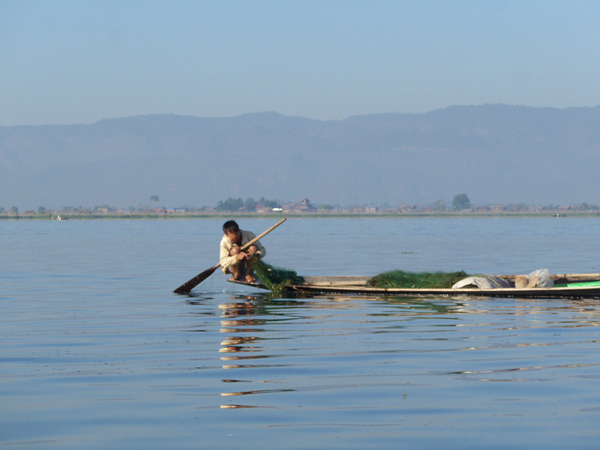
(250, 279)
(234, 278)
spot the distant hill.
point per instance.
(494, 153)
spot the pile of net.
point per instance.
(401, 279)
(275, 278)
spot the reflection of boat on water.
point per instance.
(565, 286)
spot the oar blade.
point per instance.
(186, 287)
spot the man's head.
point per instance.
(231, 230)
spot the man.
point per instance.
(235, 261)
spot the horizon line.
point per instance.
(274, 112)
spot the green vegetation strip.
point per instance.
(275, 278)
(402, 279)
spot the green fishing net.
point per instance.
(401, 279)
(275, 278)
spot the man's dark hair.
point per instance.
(230, 225)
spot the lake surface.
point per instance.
(97, 352)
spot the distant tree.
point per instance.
(440, 205)
(250, 205)
(269, 203)
(231, 204)
(2, 209)
(460, 202)
(325, 207)
(14, 209)
(42, 210)
(588, 207)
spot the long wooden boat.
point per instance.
(566, 286)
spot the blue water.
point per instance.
(97, 352)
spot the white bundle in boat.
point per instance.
(483, 282)
(537, 278)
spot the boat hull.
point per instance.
(351, 285)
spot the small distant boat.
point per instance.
(565, 286)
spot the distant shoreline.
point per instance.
(315, 215)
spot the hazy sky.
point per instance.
(65, 62)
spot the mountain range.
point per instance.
(493, 153)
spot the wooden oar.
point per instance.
(186, 287)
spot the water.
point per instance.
(97, 352)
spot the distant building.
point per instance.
(406, 208)
(302, 207)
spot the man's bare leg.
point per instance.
(249, 272)
(235, 269)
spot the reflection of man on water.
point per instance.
(244, 317)
(233, 260)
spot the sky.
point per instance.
(80, 61)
